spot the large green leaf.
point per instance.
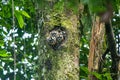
(7, 60)
(3, 53)
(25, 14)
(97, 75)
(19, 18)
(85, 69)
(19, 15)
(108, 75)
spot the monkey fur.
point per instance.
(56, 37)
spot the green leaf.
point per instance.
(108, 75)
(3, 53)
(19, 18)
(97, 75)
(1, 42)
(7, 59)
(42, 3)
(85, 69)
(96, 6)
(25, 14)
(1, 67)
(73, 5)
(59, 6)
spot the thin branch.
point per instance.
(14, 39)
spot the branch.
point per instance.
(112, 48)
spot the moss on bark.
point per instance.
(61, 64)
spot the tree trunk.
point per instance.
(97, 48)
(119, 70)
(59, 61)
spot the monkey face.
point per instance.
(54, 33)
(56, 37)
(51, 40)
(60, 38)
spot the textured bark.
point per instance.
(119, 70)
(62, 63)
(96, 48)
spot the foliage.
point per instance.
(19, 17)
(96, 6)
(72, 5)
(25, 34)
(25, 40)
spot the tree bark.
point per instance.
(119, 70)
(97, 48)
(61, 63)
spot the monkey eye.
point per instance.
(52, 40)
(59, 39)
(54, 33)
(64, 33)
